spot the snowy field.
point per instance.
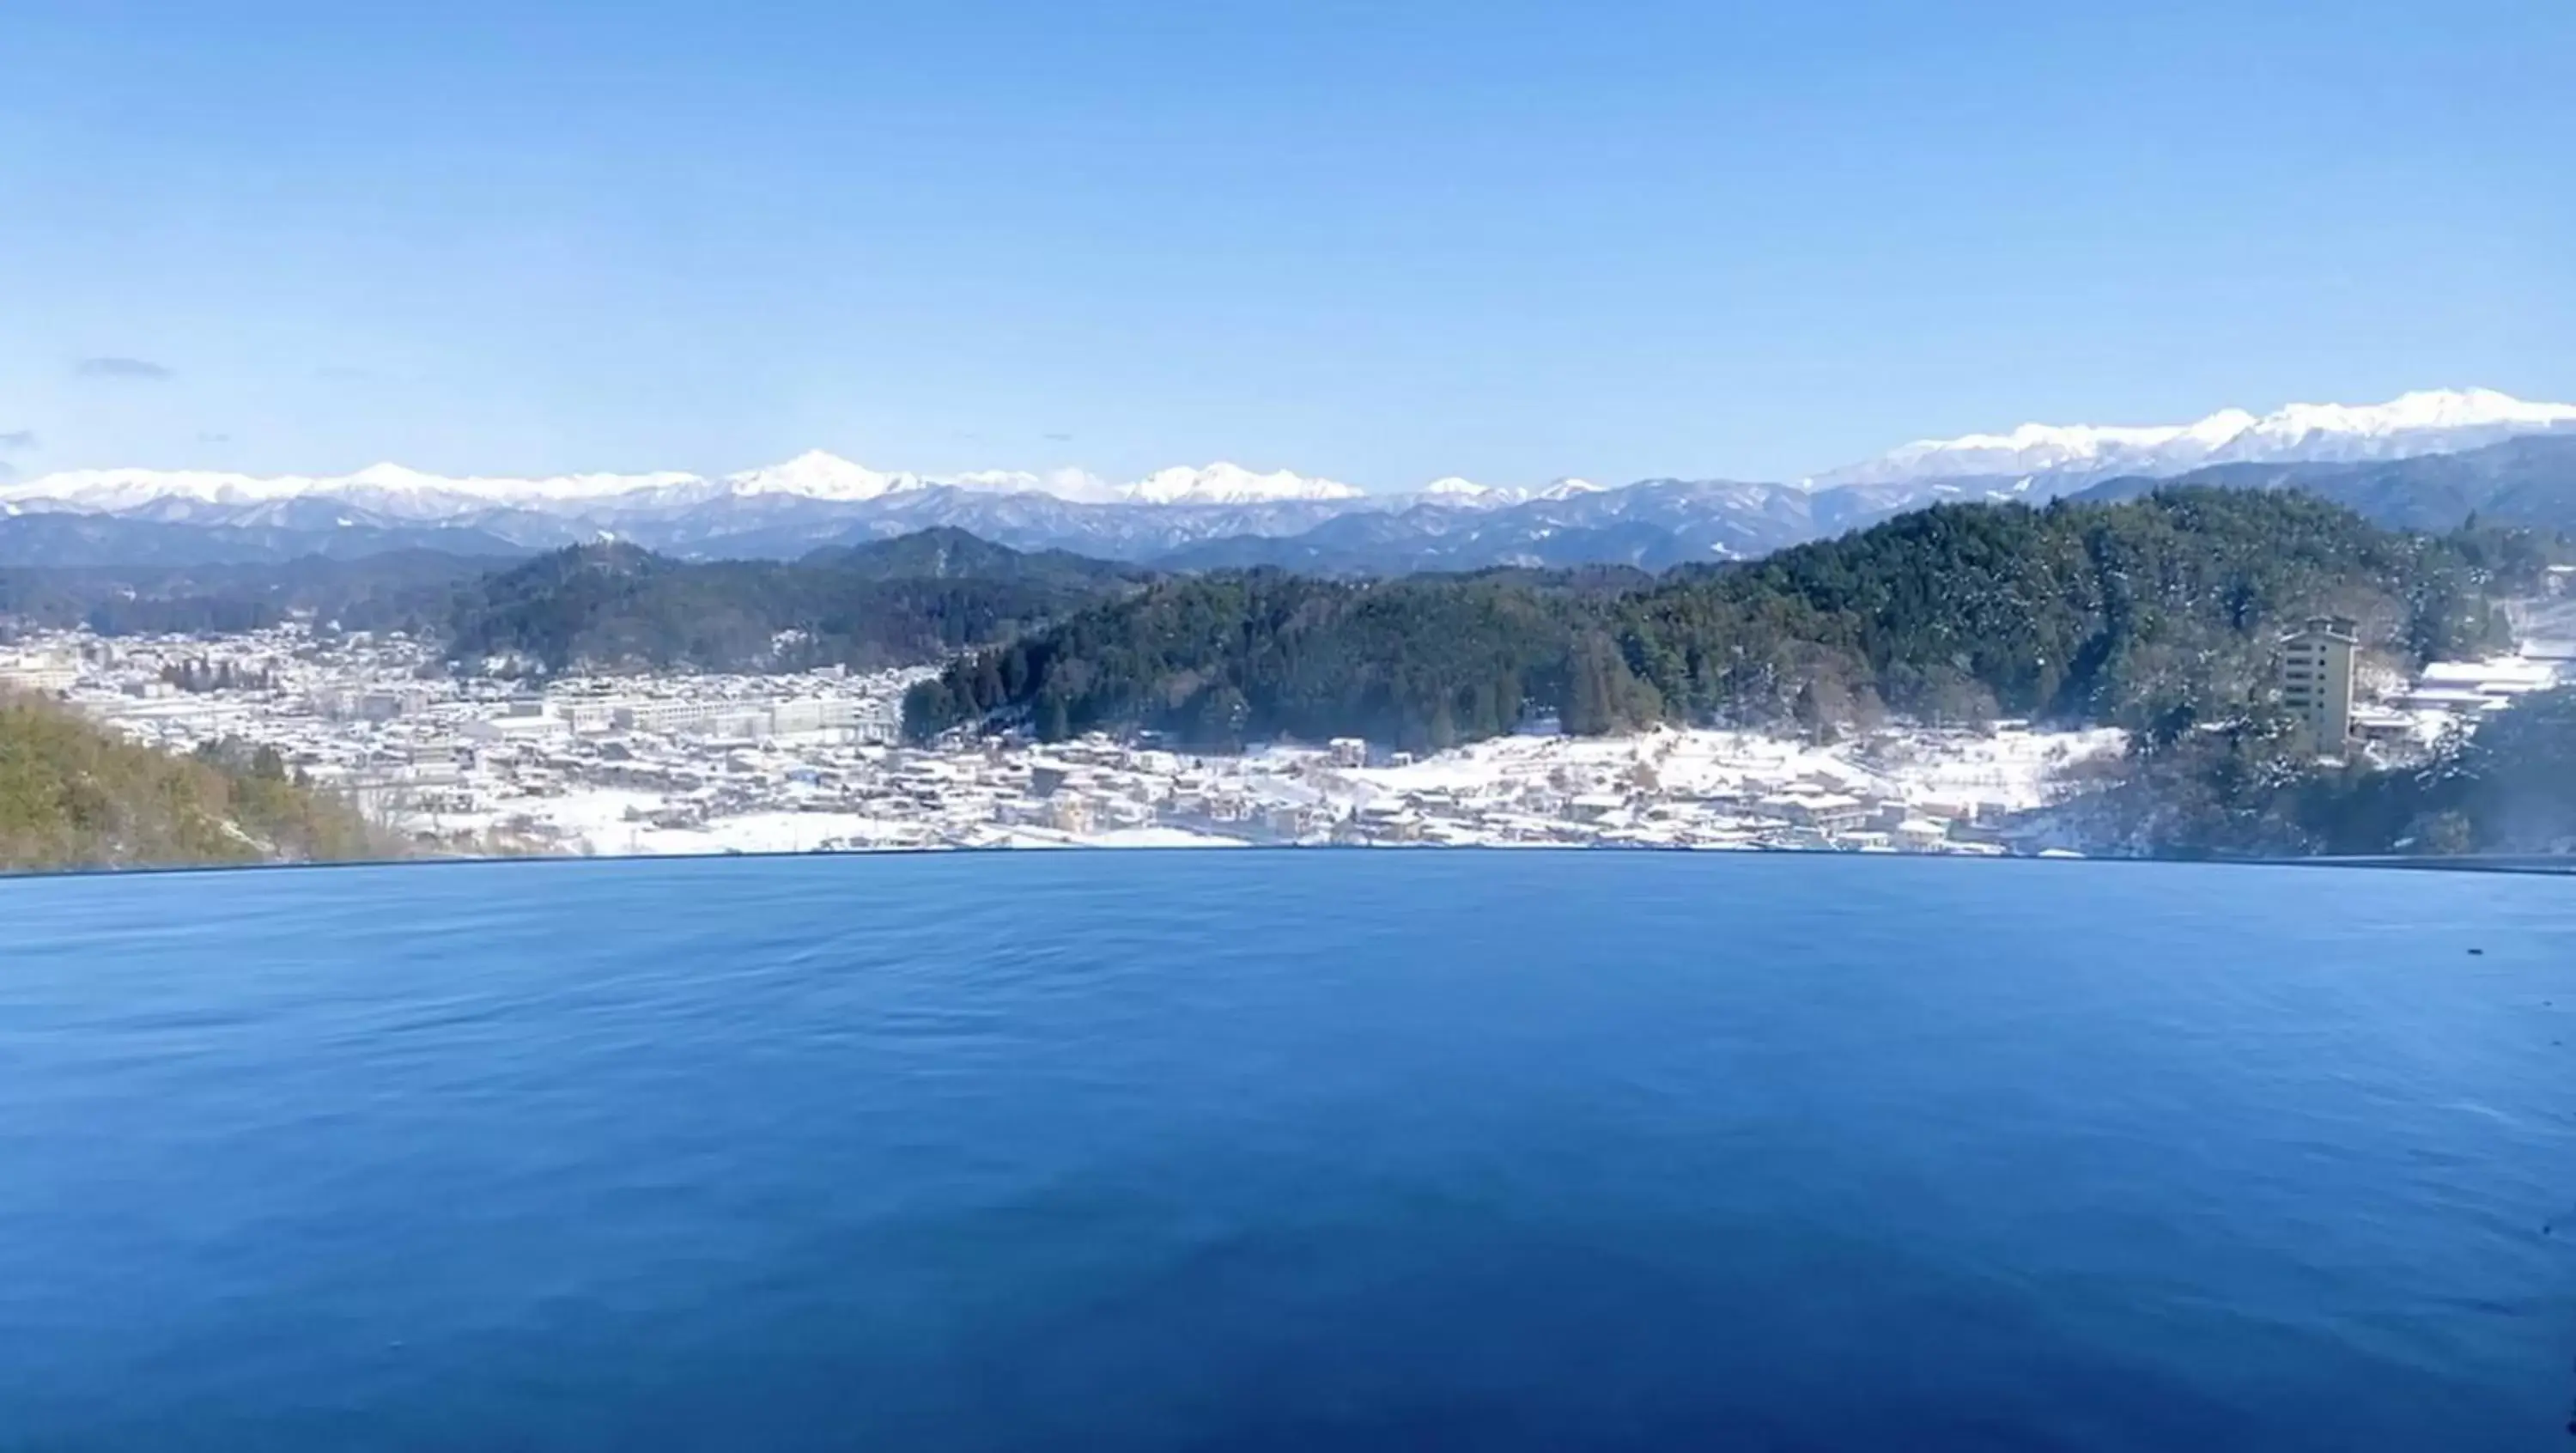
(2008, 770)
(1950, 775)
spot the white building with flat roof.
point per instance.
(50, 675)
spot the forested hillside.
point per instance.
(2157, 610)
(402, 590)
(2115, 614)
(73, 795)
(2248, 787)
(897, 602)
(913, 598)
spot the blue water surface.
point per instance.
(1309, 1150)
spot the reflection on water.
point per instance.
(1296, 1150)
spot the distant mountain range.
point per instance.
(2437, 421)
(2529, 482)
(1226, 515)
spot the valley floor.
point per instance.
(1916, 791)
(809, 763)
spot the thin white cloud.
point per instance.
(114, 366)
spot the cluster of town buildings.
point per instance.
(2346, 709)
(812, 762)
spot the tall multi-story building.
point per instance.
(2316, 679)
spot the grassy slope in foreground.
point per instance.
(74, 795)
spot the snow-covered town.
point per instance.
(699, 764)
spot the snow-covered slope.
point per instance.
(1078, 485)
(1231, 484)
(815, 474)
(385, 490)
(1453, 492)
(389, 488)
(2428, 422)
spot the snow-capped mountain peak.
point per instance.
(116, 489)
(1078, 485)
(388, 480)
(2220, 427)
(1224, 483)
(817, 474)
(389, 475)
(2422, 411)
(2427, 421)
(1456, 492)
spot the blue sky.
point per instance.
(1377, 241)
